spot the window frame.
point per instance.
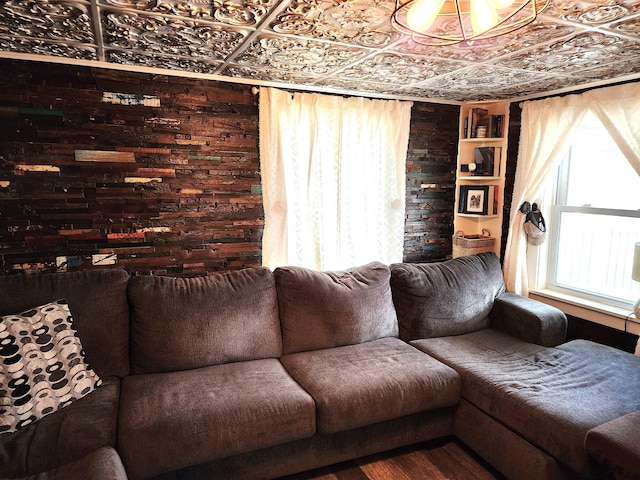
(558, 198)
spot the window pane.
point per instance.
(595, 254)
(599, 174)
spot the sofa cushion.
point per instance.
(550, 396)
(65, 436)
(183, 323)
(447, 298)
(357, 385)
(330, 309)
(98, 301)
(42, 366)
(173, 420)
(102, 464)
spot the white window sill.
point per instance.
(614, 317)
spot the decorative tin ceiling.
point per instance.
(329, 45)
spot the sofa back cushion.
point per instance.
(97, 300)
(447, 298)
(330, 309)
(184, 323)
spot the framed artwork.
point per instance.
(474, 199)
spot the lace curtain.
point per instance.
(545, 138)
(333, 179)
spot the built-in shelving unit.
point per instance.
(480, 174)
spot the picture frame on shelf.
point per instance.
(473, 199)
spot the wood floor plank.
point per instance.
(382, 470)
(446, 460)
(456, 463)
(414, 465)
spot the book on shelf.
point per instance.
(497, 126)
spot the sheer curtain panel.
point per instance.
(546, 135)
(333, 179)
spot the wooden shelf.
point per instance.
(478, 178)
(477, 215)
(471, 151)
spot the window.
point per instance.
(595, 221)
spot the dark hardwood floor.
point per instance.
(448, 460)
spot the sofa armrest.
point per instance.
(529, 320)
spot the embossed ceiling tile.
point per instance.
(485, 50)
(617, 69)
(358, 22)
(422, 92)
(532, 88)
(238, 71)
(68, 21)
(240, 13)
(483, 80)
(575, 54)
(591, 13)
(40, 47)
(299, 55)
(629, 27)
(359, 86)
(164, 62)
(169, 35)
(266, 75)
(398, 69)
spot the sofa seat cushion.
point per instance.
(550, 396)
(102, 464)
(445, 298)
(617, 444)
(358, 385)
(177, 419)
(64, 436)
(331, 309)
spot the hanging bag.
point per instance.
(534, 224)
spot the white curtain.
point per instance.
(547, 129)
(333, 179)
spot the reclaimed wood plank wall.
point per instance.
(431, 177)
(160, 174)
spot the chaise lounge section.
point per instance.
(260, 373)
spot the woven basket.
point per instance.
(464, 245)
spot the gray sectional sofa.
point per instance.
(260, 373)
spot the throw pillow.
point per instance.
(42, 366)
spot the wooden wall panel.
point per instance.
(160, 174)
(431, 177)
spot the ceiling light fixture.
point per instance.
(446, 22)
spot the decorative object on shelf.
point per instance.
(484, 160)
(635, 275)
(446, 22)
(474, 199)
(472, 244)
(479, 119)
